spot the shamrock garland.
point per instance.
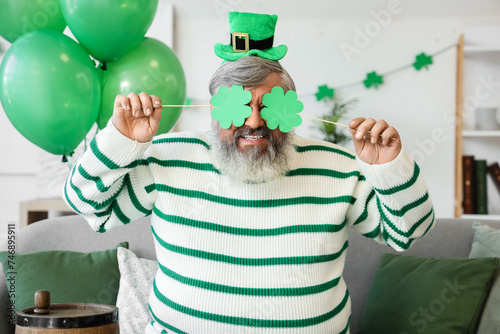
(230, 106)
(422, 60)
(324, 92)
(373, 79)
(281, 109)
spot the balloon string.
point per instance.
(70, 163)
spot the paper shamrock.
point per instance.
(281, 109)
(423, 60)
(324, 92)
(373, 79)
(230, 106)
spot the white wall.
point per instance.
(417, 103)
(420, 104)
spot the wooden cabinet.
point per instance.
(35, 210)
(478, 87)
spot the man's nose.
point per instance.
(255, 121)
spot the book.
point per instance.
(469, 200)
(481, 189)
(494, 172)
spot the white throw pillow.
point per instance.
(136, 279)
(486, 243)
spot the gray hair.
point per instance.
(250, 71)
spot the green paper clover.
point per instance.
(231, 106)
(373, 79)
(423, 60)
(281, 109)
(324, 92)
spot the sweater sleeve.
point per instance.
(108, 183)
(392, 203)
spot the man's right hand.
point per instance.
(137, 116)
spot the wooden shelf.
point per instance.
(482, 217)
(472, 49)
(482, 55)
(35, 210)
(481, 133)
(459, 106)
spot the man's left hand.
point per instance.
(375, 142)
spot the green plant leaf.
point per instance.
(230, 106)
(331, 132)
(281, 109)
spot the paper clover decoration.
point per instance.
(324, 92)
(281, 109)
(373, 79)
(422, 60)
(230, 106)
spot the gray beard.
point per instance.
(251, 166)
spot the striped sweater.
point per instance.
(248, 258)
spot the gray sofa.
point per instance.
(449, 238)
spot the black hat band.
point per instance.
(242, 43)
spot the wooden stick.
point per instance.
(209, 105)
(185, 105)
(347, 126)
(322, 120)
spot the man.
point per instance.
(250, 224)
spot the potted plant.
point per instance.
(331, 132)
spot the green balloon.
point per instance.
(18, 17)
(152, 67)
(50, 90)
(108, 29)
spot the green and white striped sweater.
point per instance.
(248, 258)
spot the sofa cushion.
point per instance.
(486, 243)
(136, 280)
(417, 294)
(71, 277)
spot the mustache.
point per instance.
(247, 131)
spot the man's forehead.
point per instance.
(273, 80)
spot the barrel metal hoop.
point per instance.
(37, 321)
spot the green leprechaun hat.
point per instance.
(251, 35)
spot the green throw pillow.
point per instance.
(425, 295)
(71, 277)
(486, 243)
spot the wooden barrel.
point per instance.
(75, 318)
